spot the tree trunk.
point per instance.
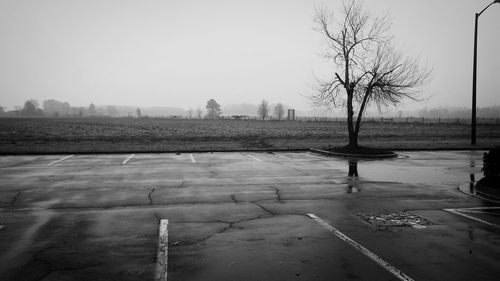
(355, 133)
(353, 138)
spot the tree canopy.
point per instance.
(213, 109)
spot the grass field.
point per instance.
(64, 135)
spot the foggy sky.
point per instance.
(182, 53)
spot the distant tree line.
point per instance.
(55, 108)
(459, 112)
(213, 110)
(51, 108)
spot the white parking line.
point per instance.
(60, 160)
(162, 254)
(396, 272)
(255, 158)
(128, 159)
(192, 158)
(457, 212)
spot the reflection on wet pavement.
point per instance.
(42, 217)
(464, 167)
(352, 176)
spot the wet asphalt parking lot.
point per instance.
(245, 216)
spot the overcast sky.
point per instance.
(184, 52)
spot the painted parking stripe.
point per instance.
(60, 160)
(458, 212)
(162, 254)
(253, 157)
(192, 158)
(396, 272)
(128, 159)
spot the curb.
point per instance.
(328, 153)
(374, 156)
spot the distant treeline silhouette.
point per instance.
(459, 112)
(55, 108)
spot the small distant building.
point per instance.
(291, 114)
(240, 117)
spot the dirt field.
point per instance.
(63, 135)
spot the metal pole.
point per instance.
(474, 74)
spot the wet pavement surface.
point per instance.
(244, 216)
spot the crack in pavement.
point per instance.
(264, 208)
(278, 198)
(149, 196)
(170, 204)
(50, 266)
(13, 201)
(47, 263)
(278, 193)
(230, 225)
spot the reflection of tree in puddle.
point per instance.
(353, 168)
(471, 183)
(472, 177)
(352, 176)
(470, 187)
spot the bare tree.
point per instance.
(199, 113)
(369, 70)
(91, 109)
(279, 111)
(263, 110)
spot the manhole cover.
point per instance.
(397, 219)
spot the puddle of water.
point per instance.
(435, 168)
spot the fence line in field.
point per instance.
(421, 120)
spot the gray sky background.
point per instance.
(182, 53)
